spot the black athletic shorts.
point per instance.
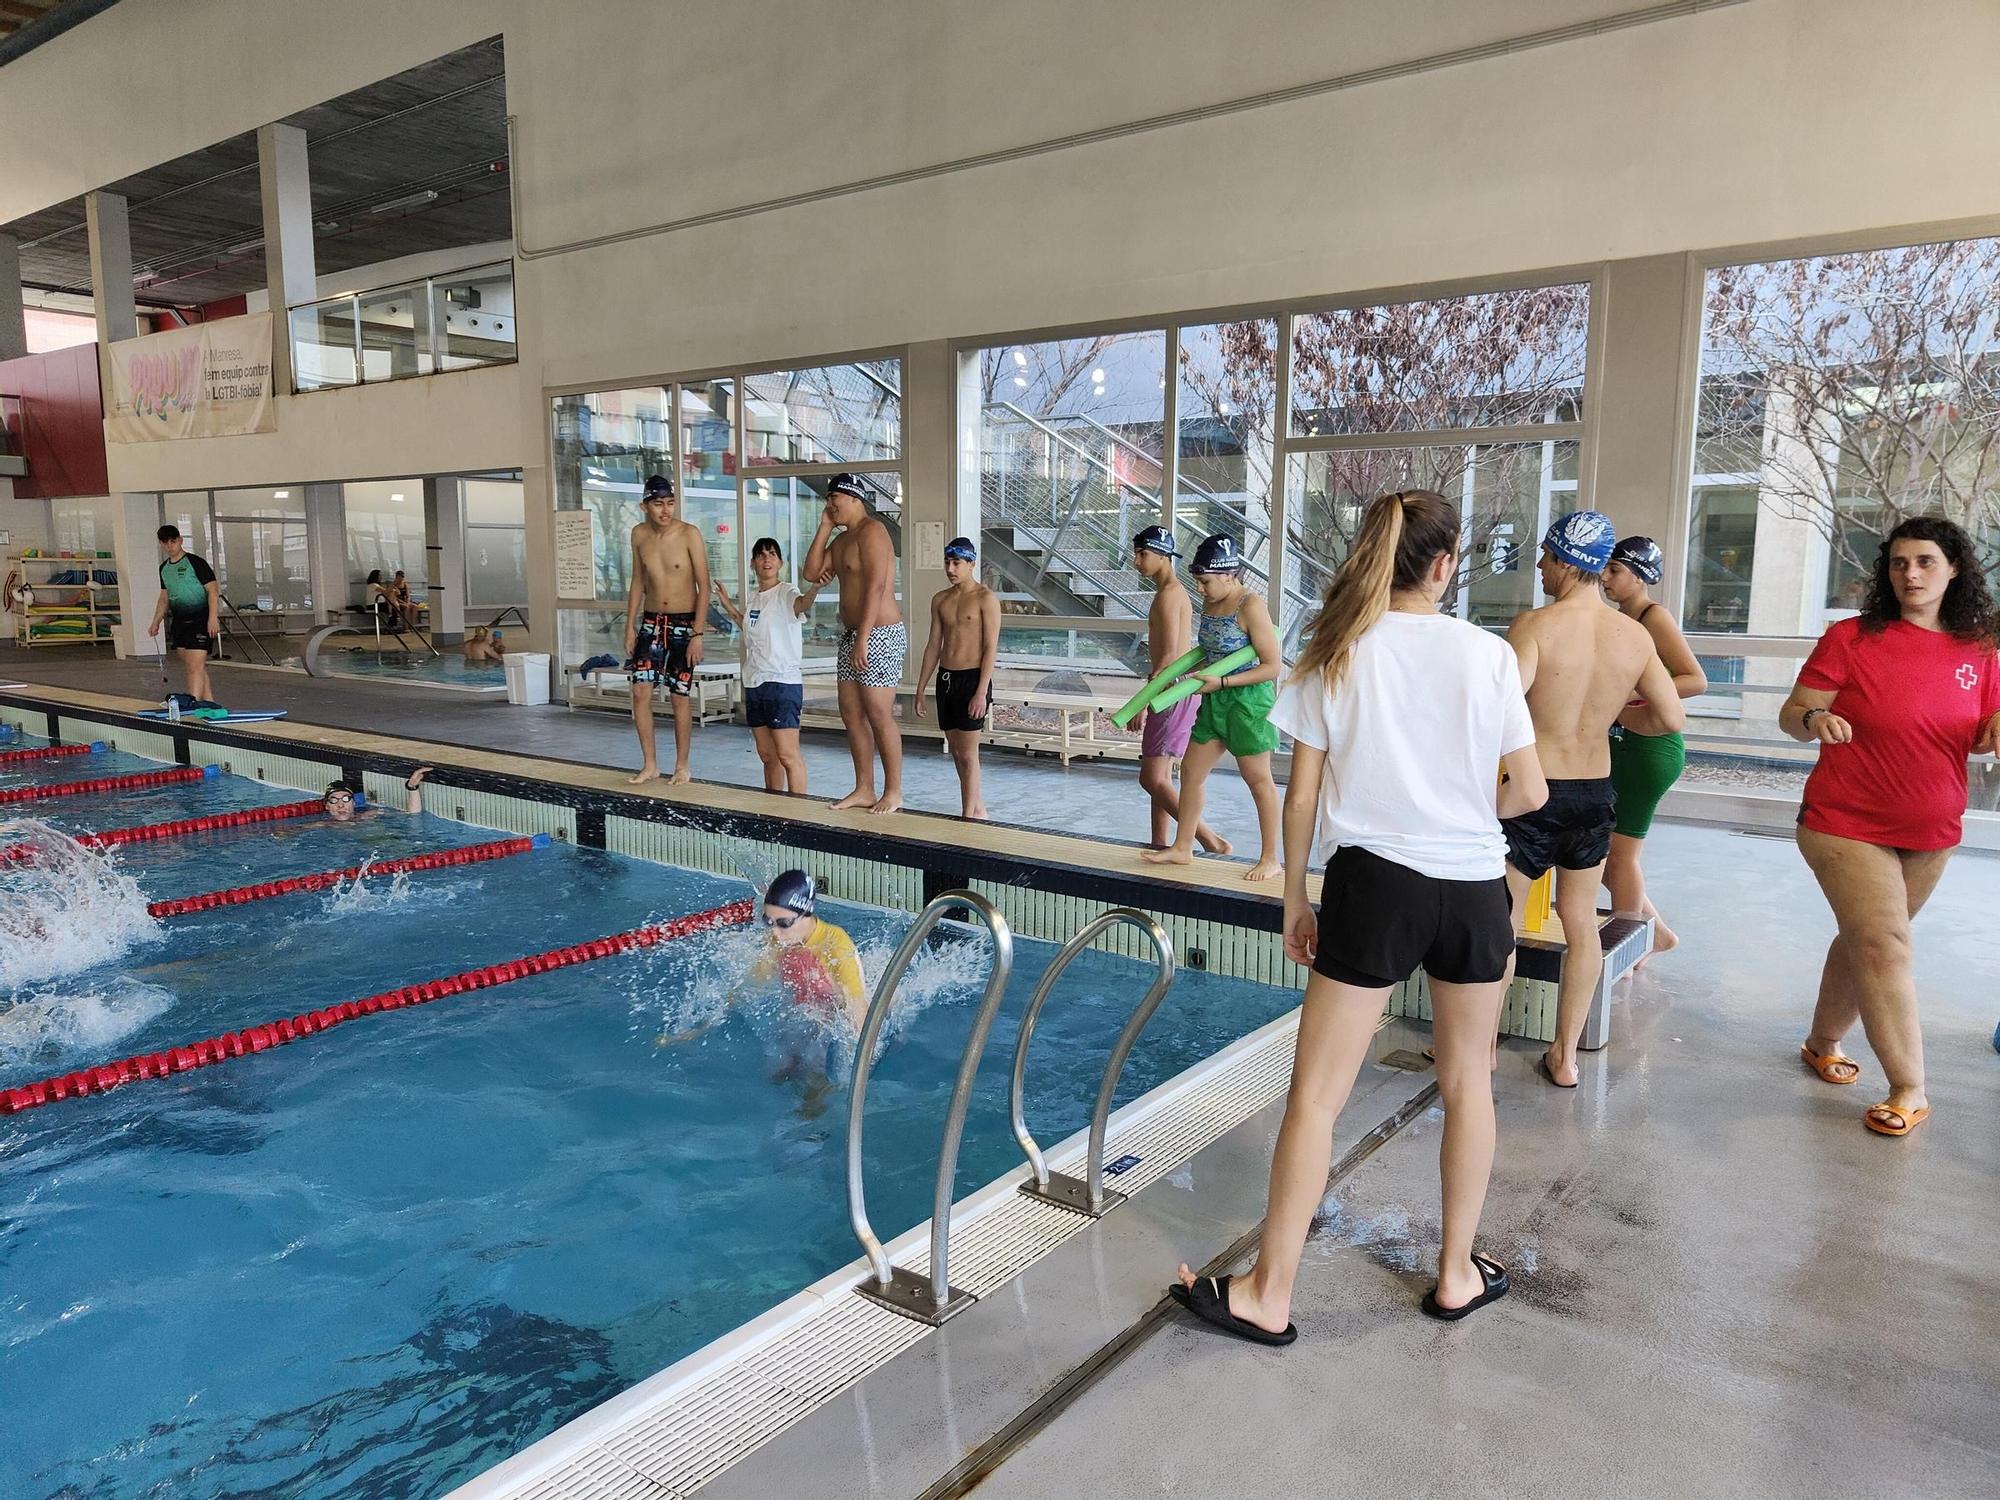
(1379, 922)
(1571, 831)
(187, 630)
(955, 692)
(660, 653)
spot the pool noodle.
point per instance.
(1187, 687)
(1162, 679)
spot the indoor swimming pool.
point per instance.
(377, 1261)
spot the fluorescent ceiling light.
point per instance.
(408, 200)
(281, 494)
(1020, 359)
(239, 249)
(1098, 375)
(1021, 381)
(397, 498)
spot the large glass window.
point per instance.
(1839, 395)
(606, 444)
(385, 530)
(832, 414)
(496, 559)
(261, 555)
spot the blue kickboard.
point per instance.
(234, 716)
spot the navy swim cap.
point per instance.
(659, 487)
(1217, 554)
(845, 484)
(793, 890)
(1583, 539)
(961, 548)
(1642, 556)
(1155, 539)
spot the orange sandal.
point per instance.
(1823, 1064)
(1907, 1120)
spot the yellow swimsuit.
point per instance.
(822, 972)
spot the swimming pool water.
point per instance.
(375, 1262)
(449, 666)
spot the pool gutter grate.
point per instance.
(678, 1430)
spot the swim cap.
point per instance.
(1155, 539)
(659, 487)
(961, 548)
(1642, 556)
(845, 484)
(1217, 554)
(793, 890)
(1582, 539)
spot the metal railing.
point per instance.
(410, 328)
(1088, 1195)
(933, 1299)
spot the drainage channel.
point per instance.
(969, 1472)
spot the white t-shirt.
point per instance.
(774, 637)
(1413, 742)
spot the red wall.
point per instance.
(64, 418)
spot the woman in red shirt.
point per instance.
(1897, 699)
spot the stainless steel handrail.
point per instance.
(1087, 1196)
(935, 1299)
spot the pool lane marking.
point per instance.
(137, 781)
(264, 890)
(49, 752)
(107, 1076)
(176, 828)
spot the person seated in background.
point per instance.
(382, 600)
(485, 645)
(343, 799)
(406, 606)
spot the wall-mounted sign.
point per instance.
(576, 554)
(211, 380)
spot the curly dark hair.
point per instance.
(1967, 611)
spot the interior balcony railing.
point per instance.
(458, 320)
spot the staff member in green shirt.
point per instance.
(190, 603)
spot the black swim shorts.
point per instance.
(955, 692)
(1379, 922)
(660, 653)
(1571, 831)
(187, 630)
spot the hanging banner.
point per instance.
(210, 380)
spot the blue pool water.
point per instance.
(448, 667)
(375, 1262)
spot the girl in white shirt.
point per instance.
(773, 664)
(1400, 718)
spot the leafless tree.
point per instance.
(1862, 389)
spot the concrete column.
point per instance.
(931, 462)
(1645, 372)
(13, 315)
(444, 549)
(111, 267)
(135, 546)
(326, 551)
(286, 183)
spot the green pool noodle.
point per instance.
(1187, 687)
(1162, 679)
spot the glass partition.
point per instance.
(606, 444)
(830, 414)
(496, 560)
(454, 321)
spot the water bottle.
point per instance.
(173, 709)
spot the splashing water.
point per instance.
(63, 909)
(356, 895)
(89, 1024)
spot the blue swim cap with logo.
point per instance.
(1583, 539)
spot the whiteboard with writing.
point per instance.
(576, 554)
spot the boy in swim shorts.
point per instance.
(965, 640)
(854, 546)
(1163, 735)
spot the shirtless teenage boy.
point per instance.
(666, 615)
(1164, 736)
(965, 638)
(1581, 665)
(873, 641)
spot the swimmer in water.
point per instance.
(343, 798)
(815, 959)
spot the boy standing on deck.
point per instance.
(1581, 665)
(873, 641)
(191, 604)
(965, 638)
(1164, 735)
(666, 615)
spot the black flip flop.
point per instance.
(1497, 1286)
(1209, 1301)
(1542, 1067)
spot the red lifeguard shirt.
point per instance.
(1917, 700)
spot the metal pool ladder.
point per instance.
(1088, 1196)
(930, 1299)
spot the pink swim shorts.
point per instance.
(1167, 733)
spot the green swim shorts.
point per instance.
(1240, 717)
(1643, 767)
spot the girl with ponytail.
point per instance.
(1401, 718)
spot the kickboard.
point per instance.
(234, 716)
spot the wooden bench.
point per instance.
(715, 696)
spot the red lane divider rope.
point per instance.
(47, 752)
(264, 890)
(146, 833)
(94, 784)
(215, 1049)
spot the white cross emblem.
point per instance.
(1967, 677)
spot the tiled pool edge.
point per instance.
(683, 1426)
